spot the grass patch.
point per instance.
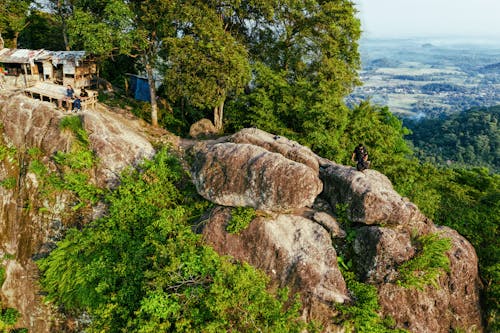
(427, 266)
(8, 183)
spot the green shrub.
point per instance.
(7, 152)
(9, 183)
(38, 168)
(142, 268)
(74, 124)
(240, 219)
(427, 265)
(362, 315)
(8, 316)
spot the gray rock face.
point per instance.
(369, 195)
(453, 306)
(117, 142)
(26, 233)
(295, 251)
(379, 251)
(385, 243)
(329, 223)
(277, 144)
(232, 174)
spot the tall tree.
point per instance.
(63, 9)
(205, 62)
(305, 61)
(43, 32)
(134, 28)
(13, 19)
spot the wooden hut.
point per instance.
(19, 66)
(59, 67)
(72, 67)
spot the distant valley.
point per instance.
(418, 77)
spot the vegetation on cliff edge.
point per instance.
(141, 268)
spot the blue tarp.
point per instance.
(140, 88)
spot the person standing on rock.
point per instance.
(360, 156)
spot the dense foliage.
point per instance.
(282, 66)
(240, 219)
(206, 53)
(142, 269)
(468, 138)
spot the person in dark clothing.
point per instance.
(83, 93)
(360, 156)
(68, 98)
(77, 104)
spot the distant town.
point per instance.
(418, 78)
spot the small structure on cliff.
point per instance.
(44, 74)
(24, 67)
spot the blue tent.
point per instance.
(139, 86)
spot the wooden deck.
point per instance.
(56, 93)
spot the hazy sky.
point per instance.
(403, 18)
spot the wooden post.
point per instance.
(25, 73)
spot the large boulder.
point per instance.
(384, 243)
(277, 144)
(453, 306)
(232, 174)
(294, 251)
(203, 128)
(369, 195)
(379, 251)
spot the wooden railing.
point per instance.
(57, 93)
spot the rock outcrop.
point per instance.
(369, 195)
(232, 174)
(293, 250)
(29, 222)
(386, 227)
(277, 144)
(295, 239)
(452, 307)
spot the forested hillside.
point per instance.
(469, 138)
(284, 67)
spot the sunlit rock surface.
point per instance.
(293, 250)
(296, 238)
(30, 223)
(232, 174)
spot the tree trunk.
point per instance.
(152, 94)
(1, 42)
(65, 35)
(218, 114)
(62, 11)
(14, 40)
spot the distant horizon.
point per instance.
(438, 40)
(461, 19)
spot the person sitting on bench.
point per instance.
(68, 97)
(83, 93)
(77, 104)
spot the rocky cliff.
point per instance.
(296, 238)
